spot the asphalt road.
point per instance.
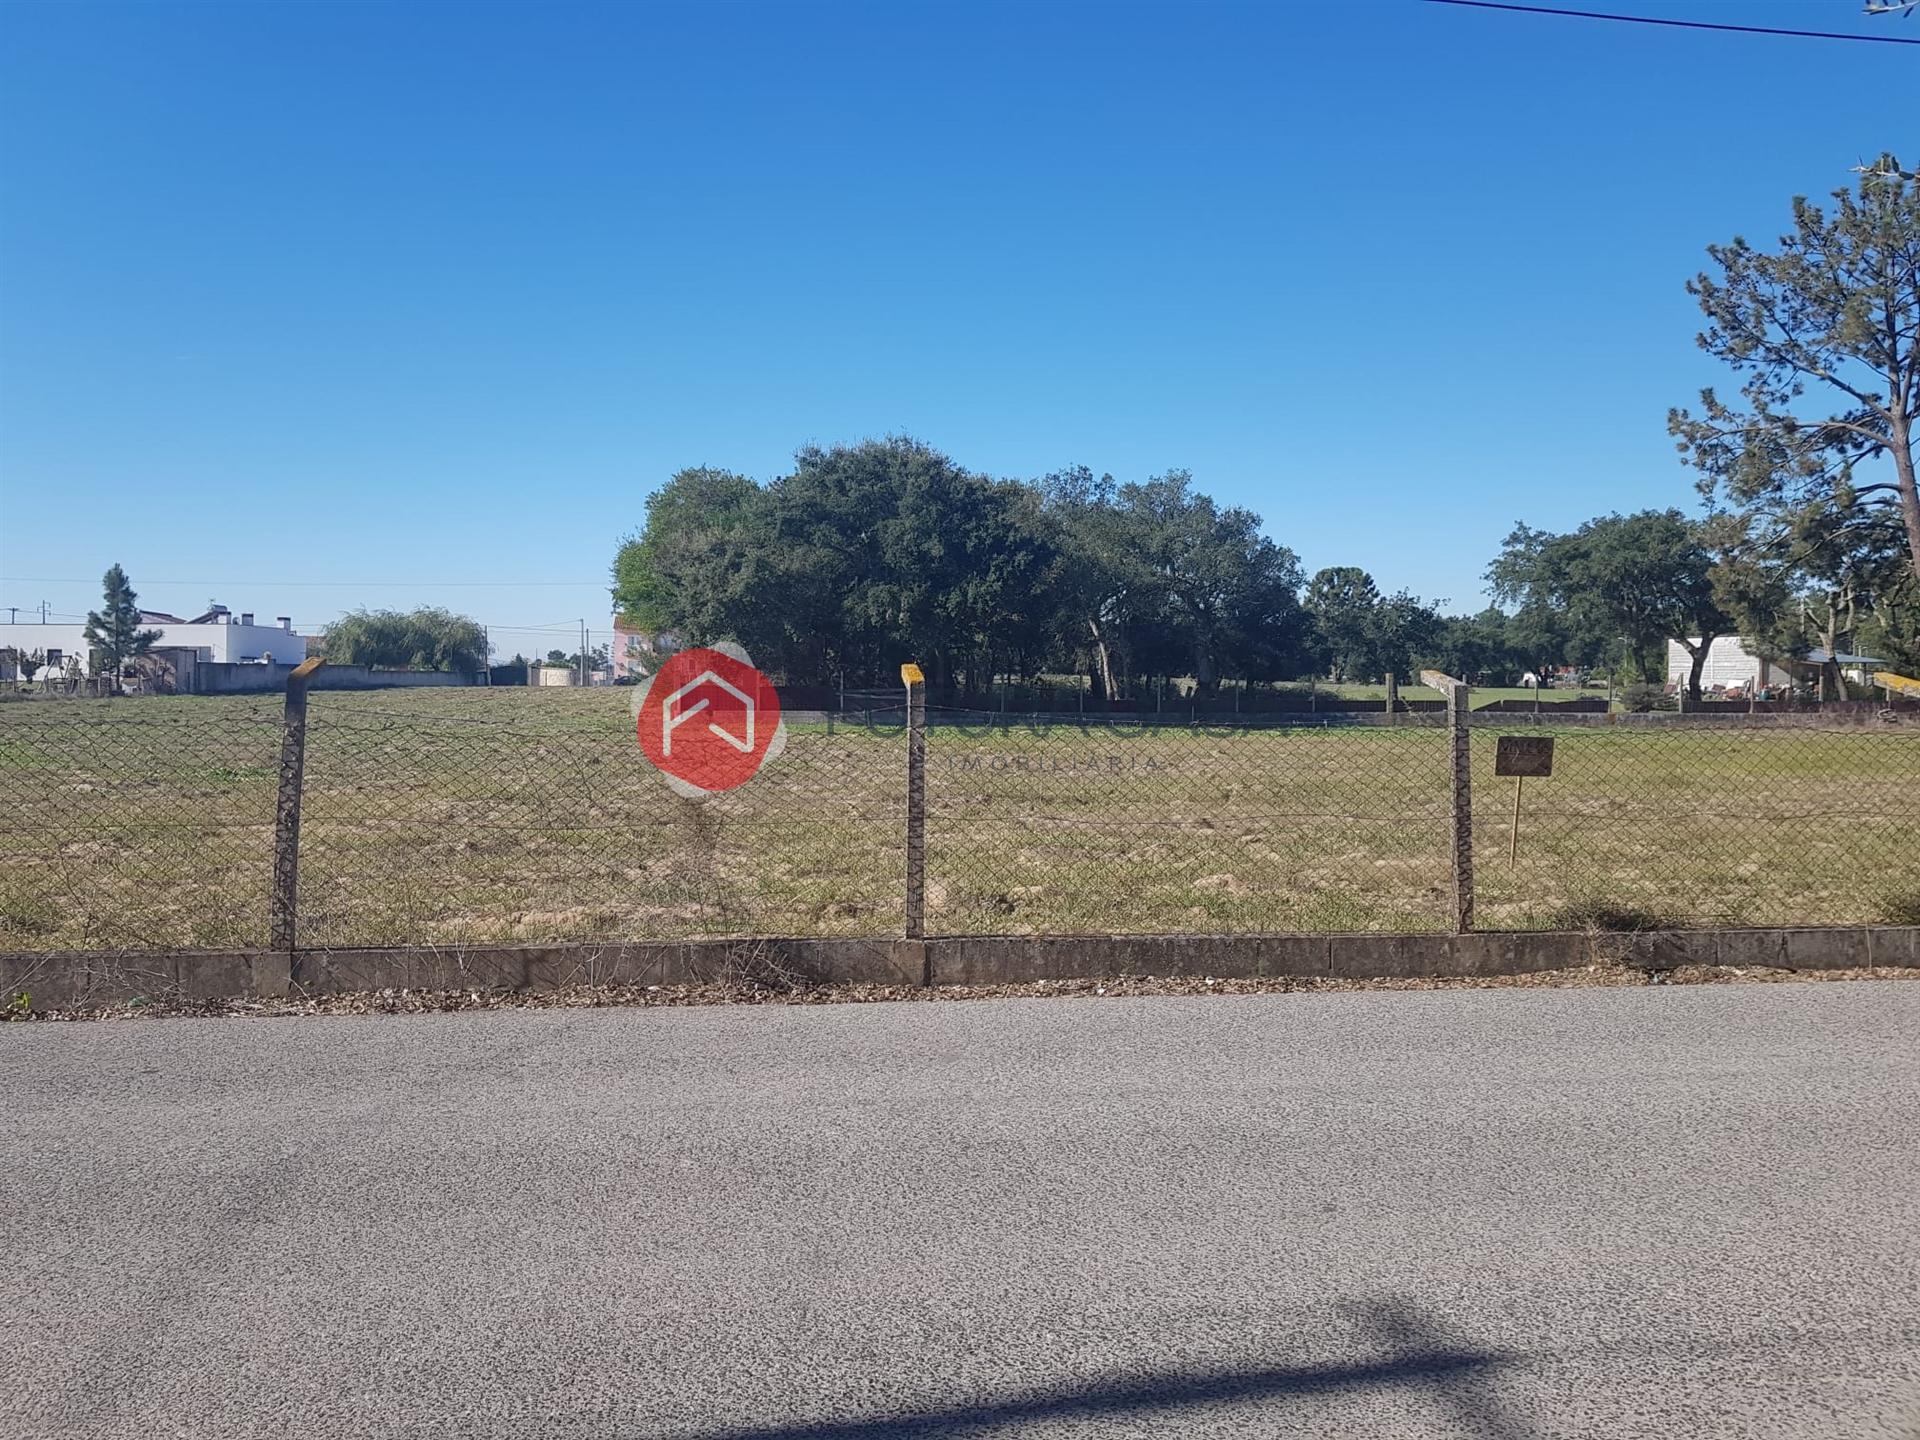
(1661, 1212)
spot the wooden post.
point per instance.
(915, 682)
(283, 925)
(1513, 843)
(1393, 696)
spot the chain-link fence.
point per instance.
(1148, 828)
(1701, 823)
(550, 825)
(129, 824)
(515, 816)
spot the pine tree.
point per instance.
(113, 631)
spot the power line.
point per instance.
(306, 584)
(1676, 24)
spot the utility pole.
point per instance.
(583, 654)
(486, 656)
(44, 607)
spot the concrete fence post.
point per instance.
(916, 800)
(1461, 738)
(1393, 696)
(1460, 774)
(284, 923)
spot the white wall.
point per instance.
(1728, 666)
(219, 643)
(239, 642)
(67, 639)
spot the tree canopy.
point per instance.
(1815, 463)
(424, 639)
(1644, 578)
(863, 556)
(867, 555)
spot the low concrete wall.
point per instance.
(236, 679)
(68, 977)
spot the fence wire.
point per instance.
(1701, 823)
(133, 824)
(1143, 829)
(523, 816)
(423, 828)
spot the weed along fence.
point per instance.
(513, 817)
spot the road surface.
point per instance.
(1661, 1212)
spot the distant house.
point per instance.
(636, 652)
(1731, 666)
(218, 636)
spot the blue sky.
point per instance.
(304, 307)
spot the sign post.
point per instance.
(1521, 756)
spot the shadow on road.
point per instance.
(1418, 1360)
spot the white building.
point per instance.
(637, 652)
(219, 637)
(1731, 667)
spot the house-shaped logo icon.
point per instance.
(708, 720)
(673, 714)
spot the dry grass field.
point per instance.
(449, 816)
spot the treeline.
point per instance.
(868, 555)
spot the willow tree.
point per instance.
(425, 639)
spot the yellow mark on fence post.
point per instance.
(910, 674)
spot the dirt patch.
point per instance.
(751, 992)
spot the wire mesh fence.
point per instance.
(1148, 828)
(1701, 824)
(424, 828)
(131, 824)
(524, 816)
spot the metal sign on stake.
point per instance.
(1521, 756)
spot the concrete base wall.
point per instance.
(236, 679)
(66, 978)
